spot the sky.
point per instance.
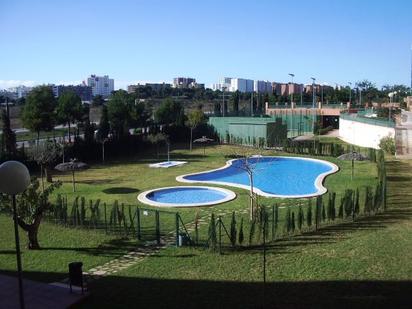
(335, 41)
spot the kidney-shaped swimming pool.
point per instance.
(292, 177)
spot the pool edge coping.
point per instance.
(318, 181)
(143, 199)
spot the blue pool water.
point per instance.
(272, 176)
(187, 195)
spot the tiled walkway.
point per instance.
(37, 295)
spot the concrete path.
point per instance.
(140, 253)
(37, 295)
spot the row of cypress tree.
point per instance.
(297, 220)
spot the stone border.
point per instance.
(230, 195)
(318, 182)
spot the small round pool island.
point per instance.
(186, 196)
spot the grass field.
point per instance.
(362, 263)
(124, 181)
(60, 246)
(365, 263)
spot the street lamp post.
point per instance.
(301, 95)
(291, 95)
(313, 110)
(223, 103)
(251, 104)
(14, 179)
(350, 93)
(321, 94)
(313, 91)
(360, 96)
(109, 137)
(390, 95)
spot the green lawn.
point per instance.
(358, 263)
(124, 181)
(60, 246)
(365, 263)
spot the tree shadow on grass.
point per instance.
(113, 248)
(7, 251)
(120, 190)
(92, 181)
(331, 234)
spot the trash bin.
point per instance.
(184, 239)
(76, 275)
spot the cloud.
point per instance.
(118, 84)
(4, 84)
(69, 82)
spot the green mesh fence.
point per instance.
(251, 130)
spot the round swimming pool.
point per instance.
(286, 177)
(186, 196)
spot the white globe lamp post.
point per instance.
(14, 179)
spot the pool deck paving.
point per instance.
(36, 294)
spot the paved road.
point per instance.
(42, 140)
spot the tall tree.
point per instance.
(235, 101)
(45, 155)
(119, 112)
(104, 126)
(69, 109)
(38, 113)
(98, 100)
(156, 139)
(8, 137)
(368, 90)
(170, 112)
(88, 132)
(140, 115)
(195, 118)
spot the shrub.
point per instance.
(387, 144)
(309, 214)
(233, 230)
(241, 235)
(300, 217)
(275, 220)
(212, 233)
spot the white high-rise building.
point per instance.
(101, 85)
(261, 86)
(241, 85)
(224, 83)
(20, 91)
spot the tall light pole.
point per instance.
(360, 96)
(350, 93)
(313, 91)
(390, 95)
(321, 93)
(291, 95)
(223, 103)
(313, 109)
(14, 179)
(251, 104)
(301, 95)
